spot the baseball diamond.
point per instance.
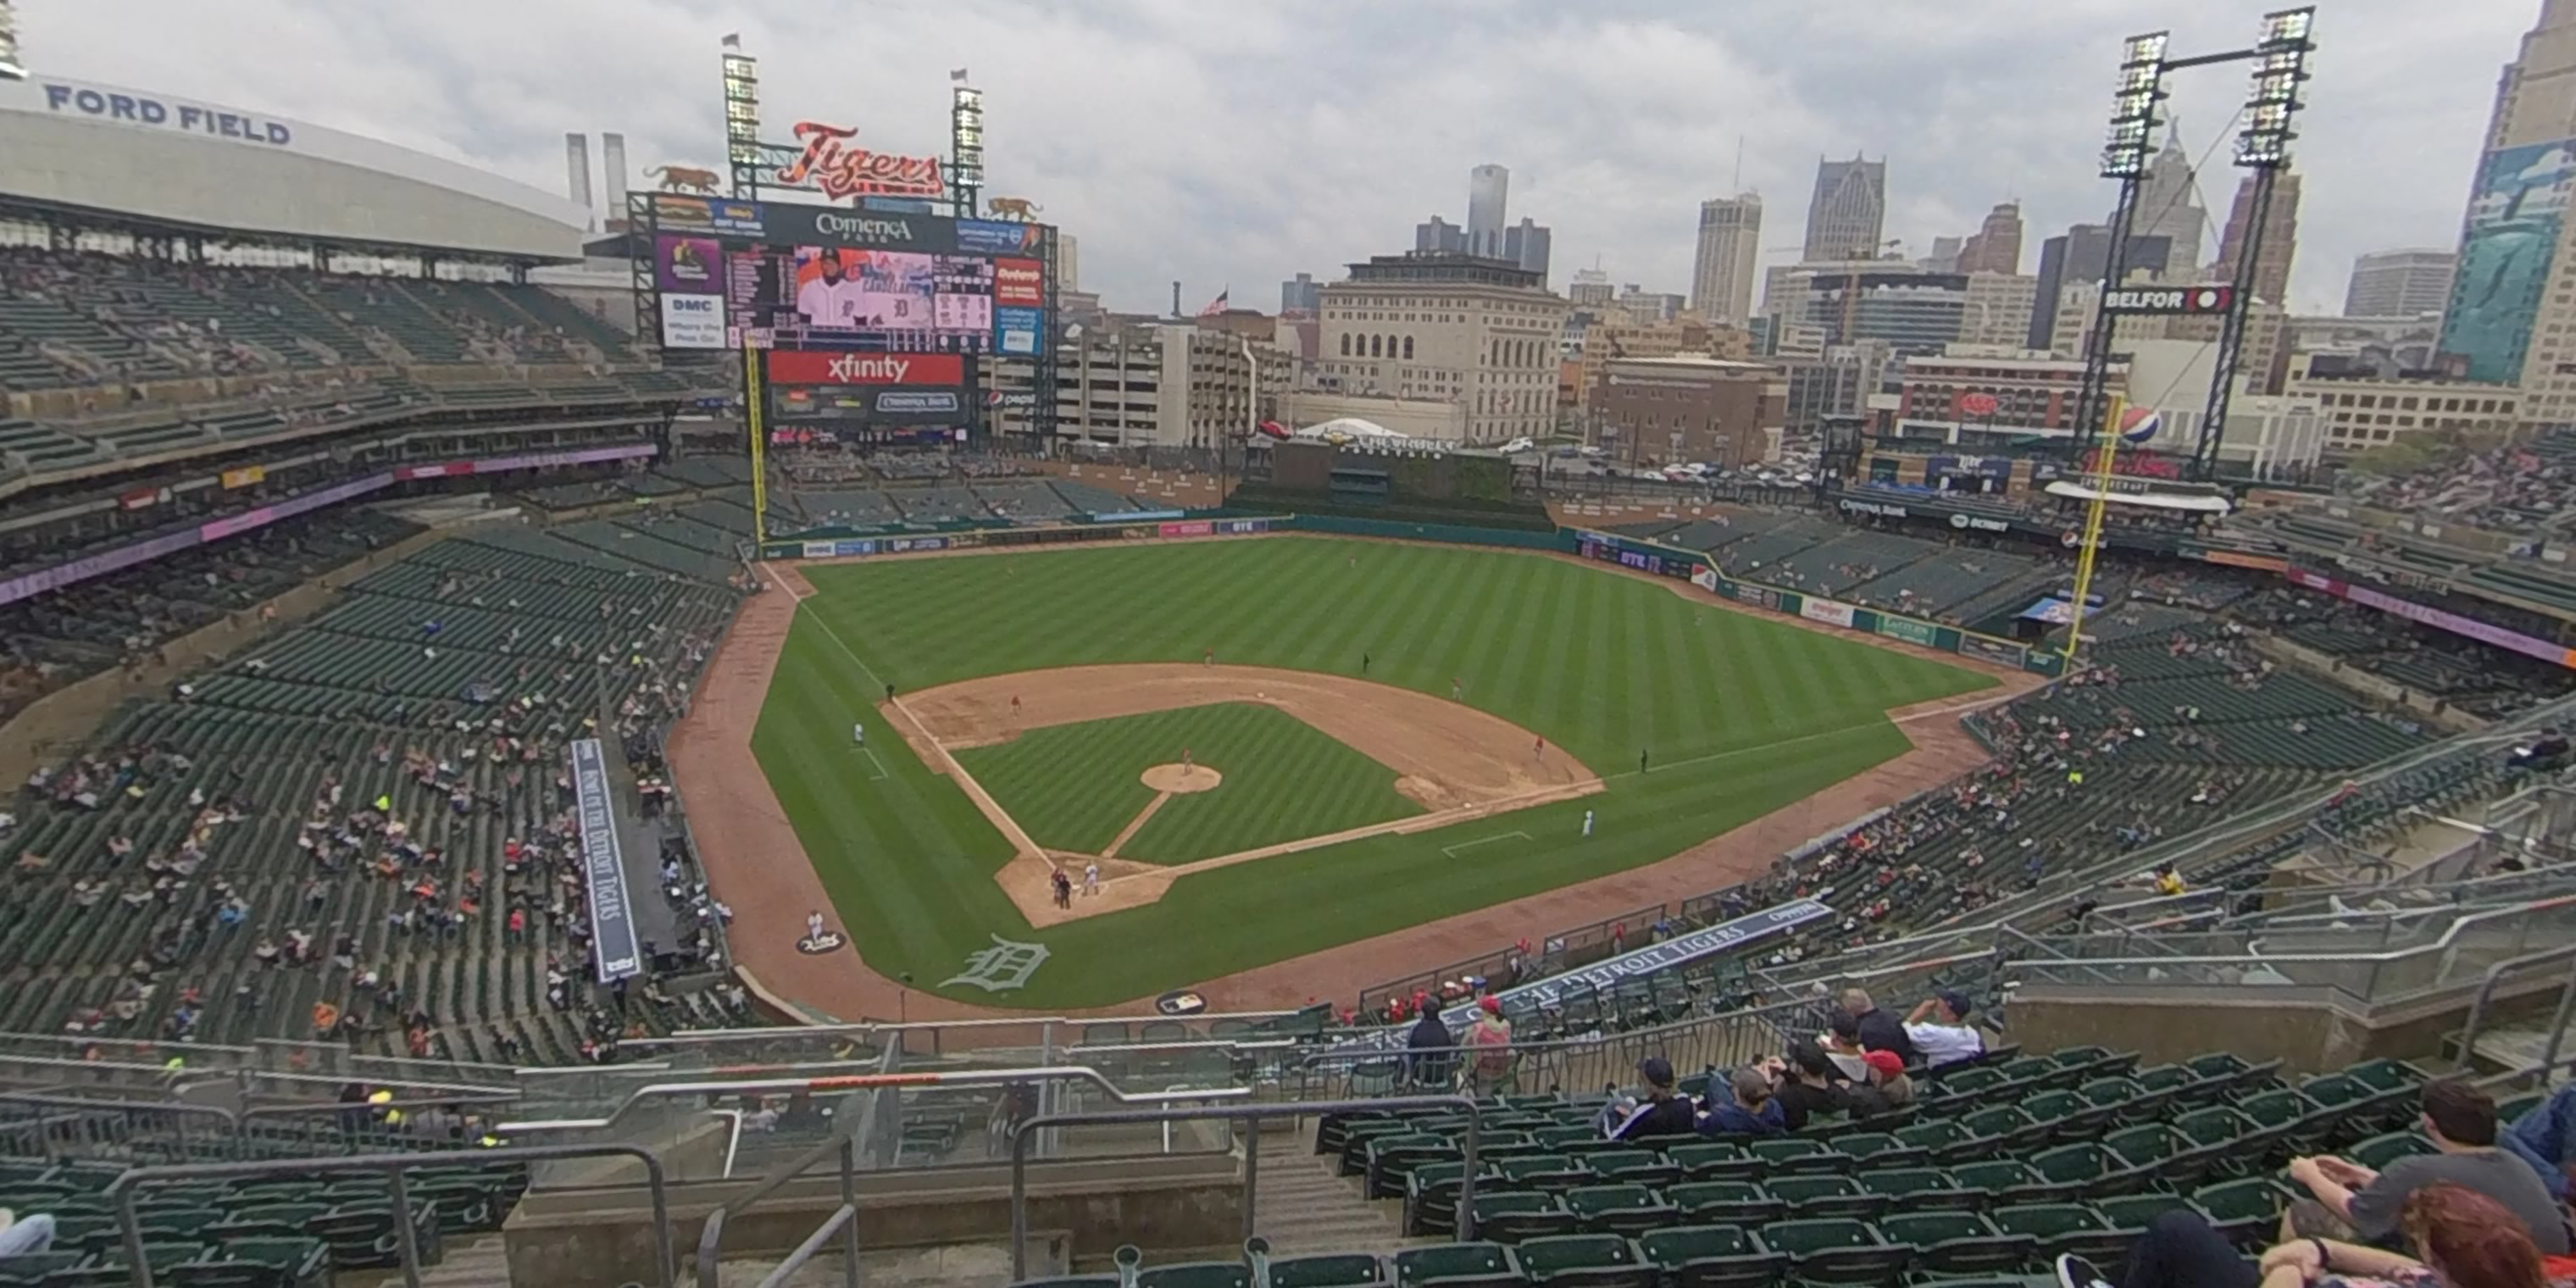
(1031, 690)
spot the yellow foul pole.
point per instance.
(751, 419)
(2097, 478)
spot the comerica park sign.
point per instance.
(2170, 300)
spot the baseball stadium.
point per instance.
(599, 743)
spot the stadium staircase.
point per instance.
(1305, 1205)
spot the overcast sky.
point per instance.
(1240, 141)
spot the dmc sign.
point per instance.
(2215, 298)
(878, 230)
(139, 110)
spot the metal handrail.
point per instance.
(710, 1037)
(1022, 1133)
(2495, 976)
(2447, 940)
(126, 1187)
(865, 1081)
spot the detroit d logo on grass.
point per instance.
(1003, 967)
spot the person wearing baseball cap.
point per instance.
(1662, 1111)
(1940, 1031)
(1887, 1078)
(1489, 1042)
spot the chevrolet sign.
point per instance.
(2170, 300)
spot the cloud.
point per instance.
(1244, 142)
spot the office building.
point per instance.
(1451, 328)
(1527, 244)
(1999, 308)
(1646, 308)
(2514, 260)
(2365, 408)
(1911, 310)
(1438, 236)
(1488, 191)
(2035, 393)
(1847, 217)
(1728, 259)
(2169, 207)
(2399, 283)
(2280, 238)
(1591, 289)
(1689, 408)
(1068, 262)
(1618, 336)
(1161, 384)
(2081, 256)
(1996, 247)
(1945, 255)
(1303, 295)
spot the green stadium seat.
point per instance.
(2224, 1070)
(2063, 1228)
(1942, 1141)
(1431, 1198)
(1710, 1256)
(2222, 1139)
(1993, 1184)
(1542, 1172)
(1635, 1167)
(2071, 1172)
(1510, 1218)
(2247, 1211)
(1871, 1149)
(1715, 1161)
(1586, 1261)
(2165, 1156)
(1329, 1270)
(1618, 1209)
(2129, 1214)
(1793, 1156)
(1949, 1244)
(2091, 1062)
(1826, 1196)
(1724, 1203)
(2379, 1151)
(2005, 1129)
(1459, 1265)
(1837, 1252)
(1197, 1274)
(1918, 1189)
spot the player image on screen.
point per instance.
(851, 295)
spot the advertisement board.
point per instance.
(1188, 529)
(1019, 281)
(1996, 651)
(1826, 611)
(693, 321)
(836, 367)
(2516, 205)
(2426, 615)
(2214, 297)
(1019, 332)
(692, 265)
(614, 946)
(1908, 630)
(999, 237)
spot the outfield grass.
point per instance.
(1742, 715)
(1074, 787)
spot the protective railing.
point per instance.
(2552, 959)
(126, 1190)
(82, 1121)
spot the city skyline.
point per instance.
(2398, 110)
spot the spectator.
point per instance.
(1843, 1046)
(1939, 1030)
(24, 1236)
(1752, 1110)
(1489, 1040)
(2356, 1203)
(2546, 1139)
(1887, 1079)
(2459, 1238)
(1429, 1049)
(1664, 1112)
(1877, 1030)
(1807, 1086)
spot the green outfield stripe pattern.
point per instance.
(1742, 715)
(1075, 786)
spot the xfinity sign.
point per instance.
(833, 367)
(858, 229)
(2170, 300)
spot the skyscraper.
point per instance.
(2513, 254)
(2399, 283)
(1527, 244)
(1996, 247)
(1848, 215)
(1300, 296)
(2169, 207)
(2280, 238)
(1439, 234)
(1729, 258)
(2077, 259)
(1488, 191)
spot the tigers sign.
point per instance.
(831, 165)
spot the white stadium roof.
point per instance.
(1349, 427)
(82, 146)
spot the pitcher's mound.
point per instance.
(1182, 779)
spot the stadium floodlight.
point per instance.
(2272, 97)
(742, 109)
(2140, 87)
(966, 147)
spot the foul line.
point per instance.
(1452, 850)
(881, 775)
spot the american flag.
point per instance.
(1219, 304)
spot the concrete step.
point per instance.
(1304, 1205)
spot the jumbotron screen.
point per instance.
(774, 275)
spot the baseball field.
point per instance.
(1375, 735)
